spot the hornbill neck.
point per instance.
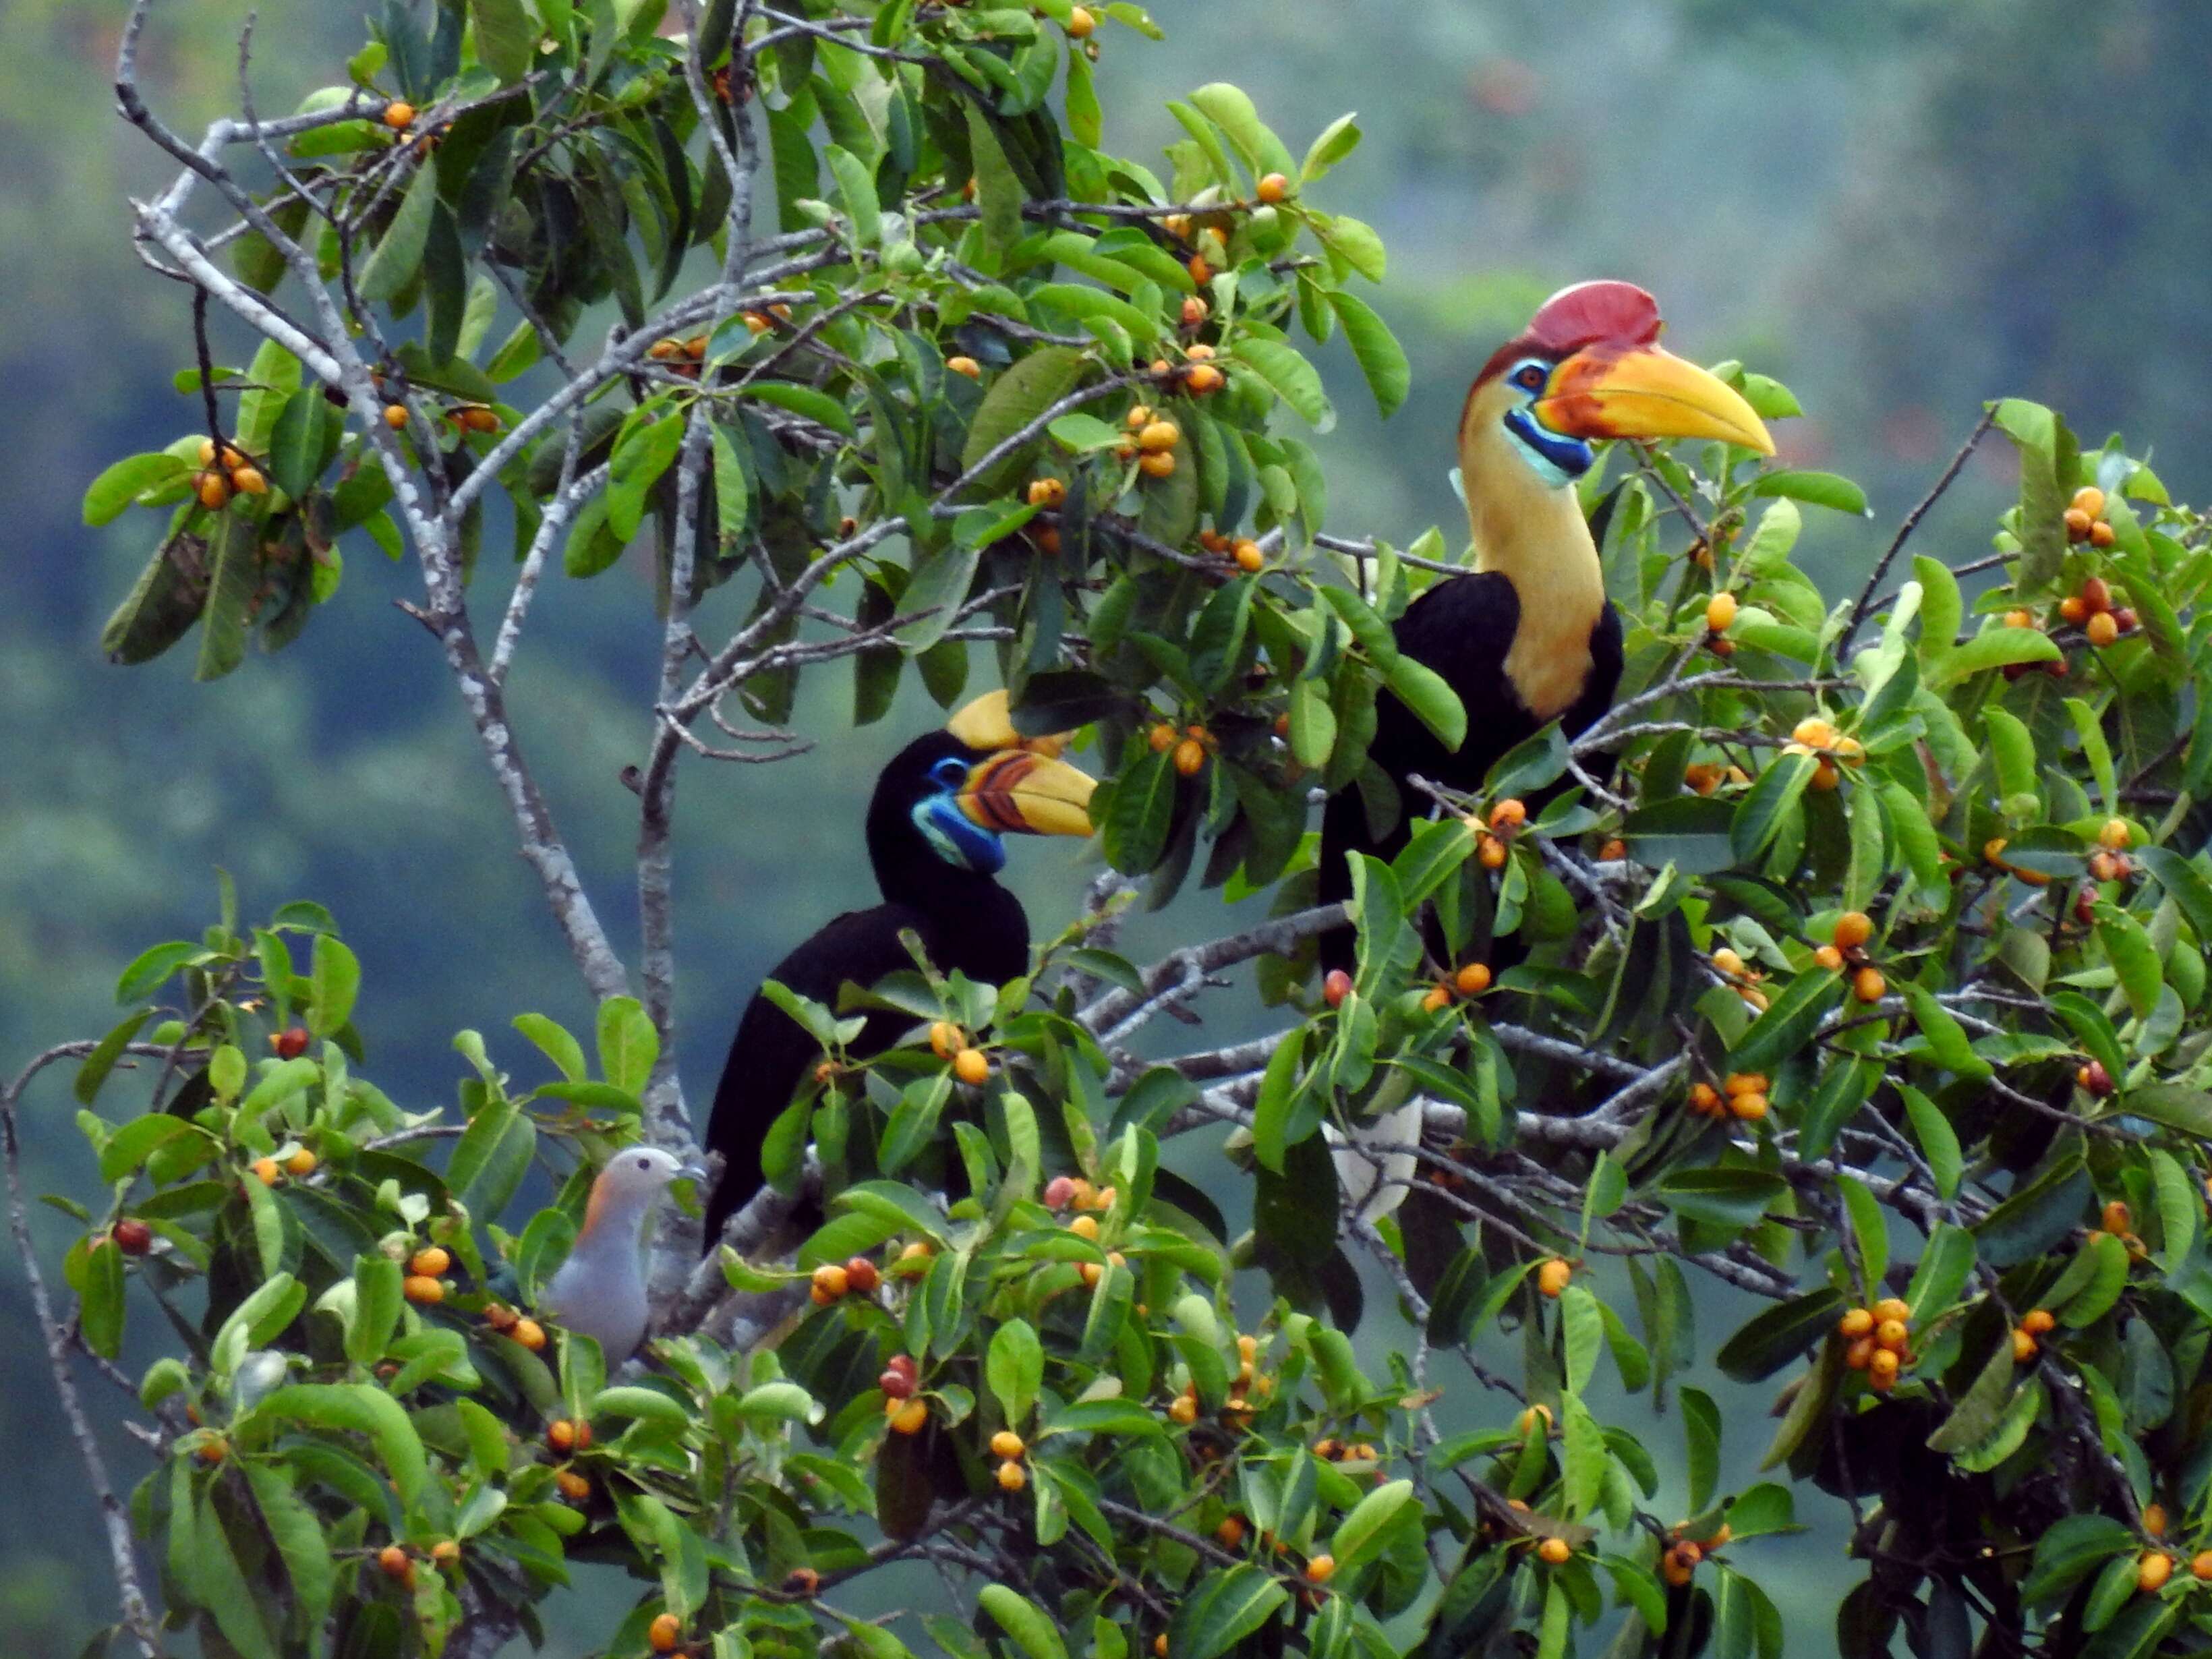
(1534, 535)
(908, 872)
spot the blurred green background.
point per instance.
(1900, 207)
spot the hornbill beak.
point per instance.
(1035, 794)
(986, 723)
(1603, 392)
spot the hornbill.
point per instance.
(1528, 636)
(934, 832)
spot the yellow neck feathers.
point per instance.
(1536, 537)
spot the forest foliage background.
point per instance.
(1899, 208)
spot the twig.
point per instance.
(1874, 577)
(137, 1613)
(1119, 1011)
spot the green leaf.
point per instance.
(1939, 1141)
(2180, 1205)
(2034, 431)
(362, 1409)
(115, 489)
(1818, 489)
(732, 492)
(1085, 303)
(2095, 750)
(1947, 1038)
(2069, 1551)
(1367, 1520)
(1085, 120)
(233, 555)
(628, 1045)
(647, 448)
(779, 1403)
(1761, 1510)
(1337, 140)
(100, 1300)
(1031, 1628)
(1582, 1336)
(2011, 751)
(394, 261)
(2036, 1215)
(1313, 726)
(334, 980)
(101, 1061)
(856, 188)
(1869, 1228)
(1381, 358)
(1721, 1197)
(1787, 1023)
(219, 1580)
(2186, 884)
(1222, 1610)
(1760, 816)
(1701, 1436)
(647, 1405)
(940, 582)
(2189, 1110)
(1228, 108)
(2134, 957)
(592, 547)
(1135, 829)
(492, 1157)
(507, 41)
(1689, 832)
(809, 402)
(1994, 647)
(1033, 384)
(379, 1294)
(1295, 380)
(1015, 1366)
(293, 1527)
(1976, 1415)
(999, 191)
(558, 1046)
(1774, 1337)
(1433, 701)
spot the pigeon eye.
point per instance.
(643, 1162)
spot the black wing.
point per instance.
(1462, 628)
(772, 1051)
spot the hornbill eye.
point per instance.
(950, 772)
(1531, 377)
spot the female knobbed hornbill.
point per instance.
(933, 831)
(1528, 636)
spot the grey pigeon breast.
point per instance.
(601, 1298)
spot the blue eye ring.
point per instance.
(951, 772)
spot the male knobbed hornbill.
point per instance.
(935, 837)
(1528, 636)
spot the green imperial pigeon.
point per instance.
(600, 1290)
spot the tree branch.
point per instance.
(137, 1613)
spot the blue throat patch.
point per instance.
(1558, 460)
(957, 838)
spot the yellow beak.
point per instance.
(1646, 392)
(1032, 793)
(986, 723)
